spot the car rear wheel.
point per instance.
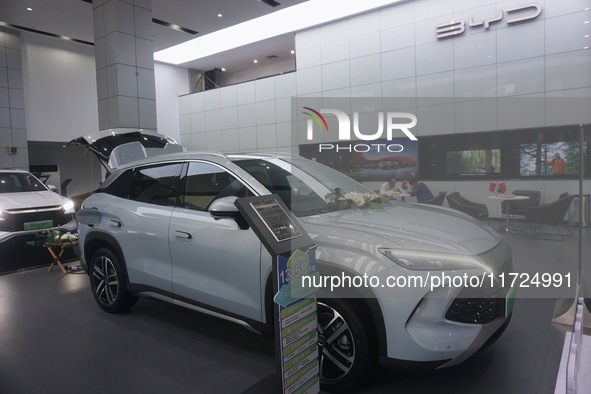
(107, 280)
(345, 343)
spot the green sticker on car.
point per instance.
(510, 301)
(43, 224)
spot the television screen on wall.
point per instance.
(551, 159)
(473, 162)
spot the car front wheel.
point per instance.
(345, 343)
(107, 280)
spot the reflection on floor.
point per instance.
(54, 339)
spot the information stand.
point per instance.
(296, 323)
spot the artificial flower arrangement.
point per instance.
(354, 200)
(56, 237)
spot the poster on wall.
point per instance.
(374, 162)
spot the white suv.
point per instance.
(27, 206)
(167, 227)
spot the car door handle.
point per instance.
(115, 223)
(183, 234)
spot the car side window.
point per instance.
(206, 183)
(116, 185)
(156, 185)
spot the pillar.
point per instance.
(124, 63)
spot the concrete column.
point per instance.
(124, 63)
(14, 152)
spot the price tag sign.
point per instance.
(298, 322)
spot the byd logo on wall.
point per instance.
(391, 119)
(455, 28)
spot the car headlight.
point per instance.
(68, 206)
(417, 260)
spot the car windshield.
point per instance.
(305, 186)
(13, 182)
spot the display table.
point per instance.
(396, 195)
(53, 247)
(507, 198)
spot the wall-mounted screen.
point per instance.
(473, 162)
(553, 159)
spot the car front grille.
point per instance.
(14, 220)
(479, 305)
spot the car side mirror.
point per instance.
(224, 208)
(52, 188)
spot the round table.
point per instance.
(500, 197)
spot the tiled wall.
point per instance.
(13, 130)
(515, 76)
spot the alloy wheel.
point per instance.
(335, 343)
(105, 280)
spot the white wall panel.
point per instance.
(230, 140)
(520, 77)
(211, 99)
(285, 85)
(335, 51)
(228, 96)
(568, 32)
(247, 137)
(229, 118)
(309, 57)
(366, 70)
(523, 41)
(397, 37)
(364, 24)
(475, 82)
(336, 75)
(367, 44)
(568, 70)
(435, 57)
(398, 64)
(264, 89)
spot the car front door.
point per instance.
(216, 264)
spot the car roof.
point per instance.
(215, 157)
(14, 170)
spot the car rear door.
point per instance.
(216, 264)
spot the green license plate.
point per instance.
(510, 301)
(38, 225)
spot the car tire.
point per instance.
(346, 344)
(107, 281)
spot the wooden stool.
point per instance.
(57, 257)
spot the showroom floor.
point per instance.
(55, 339)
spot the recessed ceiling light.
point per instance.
(220, 15)
(292, 51)
(255, 61)
(29, 9)
(223, 68)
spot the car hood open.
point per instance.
(414, 226)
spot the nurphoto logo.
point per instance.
(394, 122)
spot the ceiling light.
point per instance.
(224, 69)
(220, 15)
(288, 20)
(29, 9)
(292, 51)
(255, 61)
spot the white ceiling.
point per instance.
(73, 18)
